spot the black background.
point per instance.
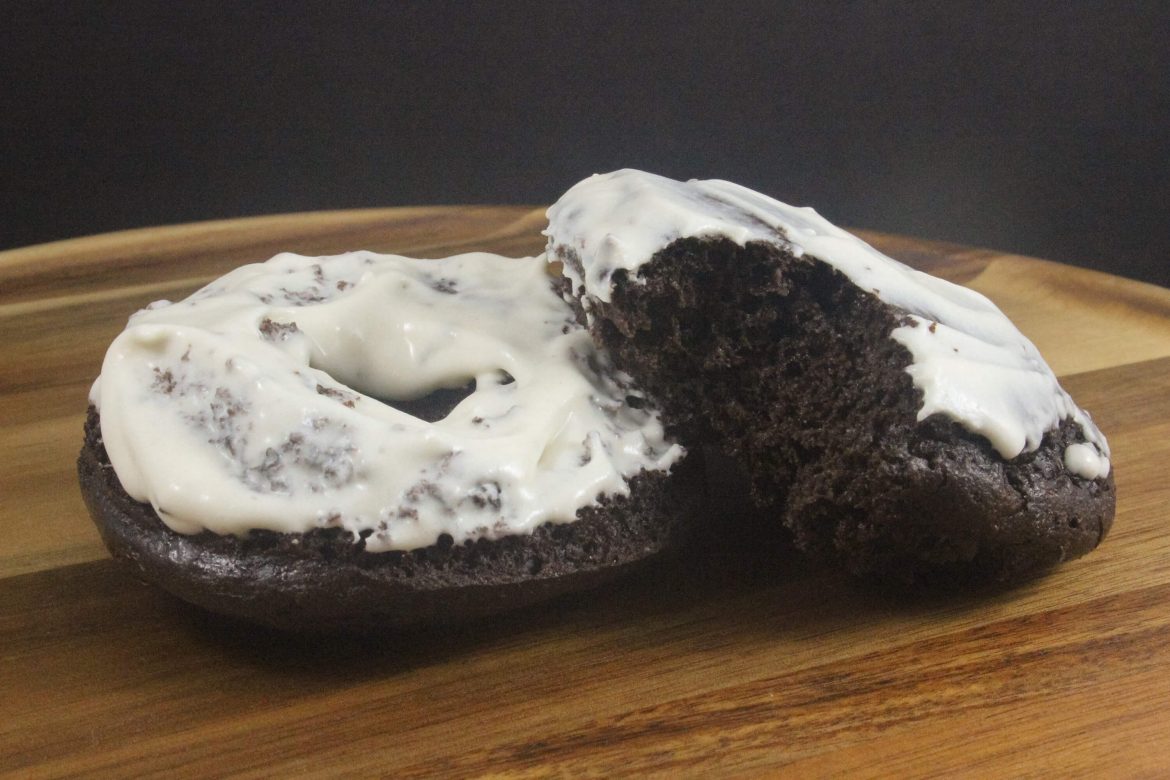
(1040, 128)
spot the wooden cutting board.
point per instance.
(728, 661)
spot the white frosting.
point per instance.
(1086, 460)
(970, 362)
(253, 403)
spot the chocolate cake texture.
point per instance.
(325, 581)
(779, 358)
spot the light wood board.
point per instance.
(723, 663)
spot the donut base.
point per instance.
(321, 580)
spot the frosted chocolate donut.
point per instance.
(282, 445)
(896, 423)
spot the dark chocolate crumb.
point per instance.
(277, 331)
(445, 286)
(346, 399)
(164, 381)
(302, 297)
(486, 494)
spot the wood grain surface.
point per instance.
(737, 658)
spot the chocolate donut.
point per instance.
(366, 440)
(898, 424)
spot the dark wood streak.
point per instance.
(879, 691)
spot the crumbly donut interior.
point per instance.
(786, 364)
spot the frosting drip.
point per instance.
(254, 403)
(970, 362)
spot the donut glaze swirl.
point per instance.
(254, 403)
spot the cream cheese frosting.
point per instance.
(970, 362)
(254, 403)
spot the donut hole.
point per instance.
(434, 406)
